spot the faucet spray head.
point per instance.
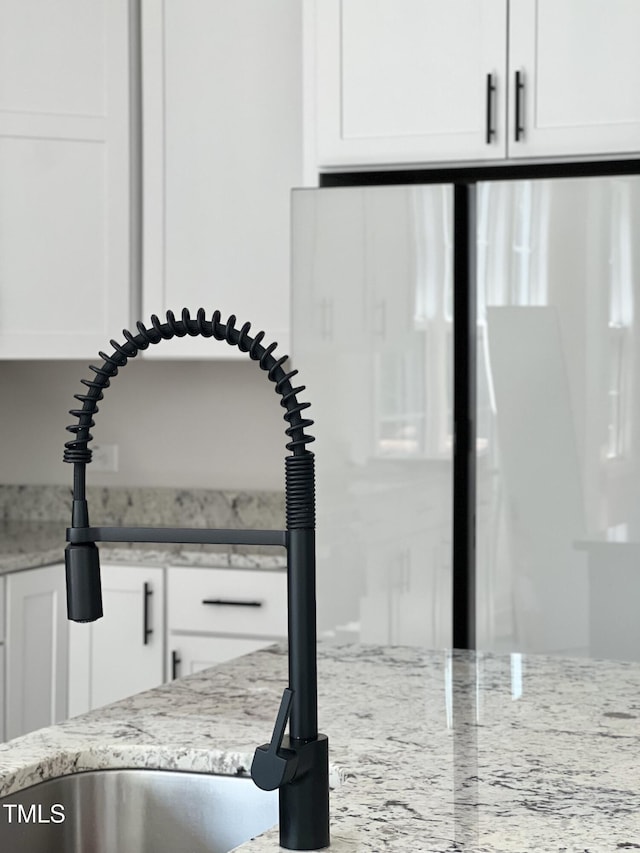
(84, 591)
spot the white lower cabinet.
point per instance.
(189, 653)
(2, 737)
(215, 615)
(51, 668)
(36, 650)
(1, 659)
(122, 653)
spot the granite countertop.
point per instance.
(431, 751)
(33, 522)
(30, 544)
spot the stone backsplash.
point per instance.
(148, 506)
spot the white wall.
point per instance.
(215, 425)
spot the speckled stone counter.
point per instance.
(431, 751)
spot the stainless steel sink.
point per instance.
(136, 811)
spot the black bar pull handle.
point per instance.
(224, 602)
(176, 660)
(519, 123)
(491, 88)
(146, 630)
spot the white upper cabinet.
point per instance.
(64, 176)
(408, 80)
(579, 71)
(222, 113)
(422, 81)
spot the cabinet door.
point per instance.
(579, 64)
(2, 659)
(222, 150)
(406, 81)
(2, 611)
(37, 645)
(2, 702)
(113, 657)
(65, 206)
(192, 653)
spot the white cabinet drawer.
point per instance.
(228, 601)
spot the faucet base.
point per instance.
(304, 802)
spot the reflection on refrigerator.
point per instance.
(372, 322)
(557, 421)
(557, 379)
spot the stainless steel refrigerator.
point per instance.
(557, 415)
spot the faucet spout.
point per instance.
(298, 763)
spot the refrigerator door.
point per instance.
(558, 523)
(372, 333)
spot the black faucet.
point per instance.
(297, 764)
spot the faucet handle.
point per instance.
(273, 766)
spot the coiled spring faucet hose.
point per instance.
(297, 764)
